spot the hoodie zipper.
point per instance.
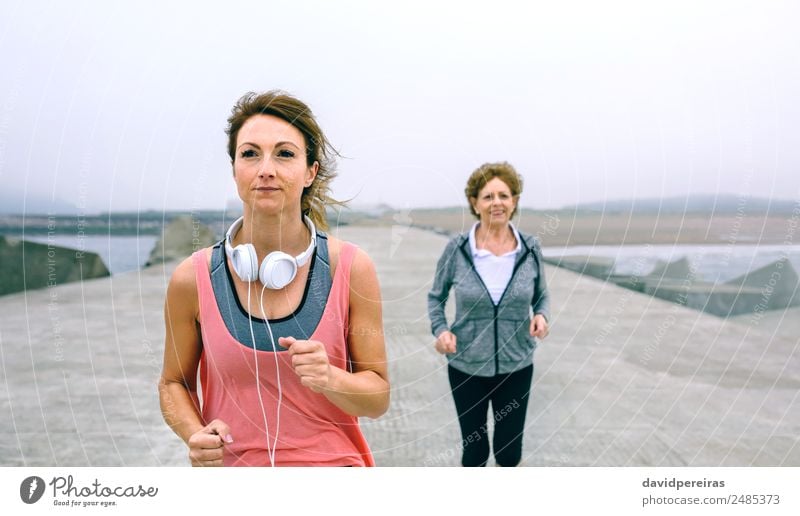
(496, 306)
(496, 342)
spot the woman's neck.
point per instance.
(493, 233)
(268, 233)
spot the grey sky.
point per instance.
(123, 107)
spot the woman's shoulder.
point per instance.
(184, 278)
(530, 241)
(361, 260)
(458, 239)
(363, 274)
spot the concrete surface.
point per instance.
(623, 380)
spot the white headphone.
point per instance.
(277, 270)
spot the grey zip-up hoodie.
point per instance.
(490, 339)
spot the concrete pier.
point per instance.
(26, 265)
(624, 379)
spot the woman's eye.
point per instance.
(284, 153)
(248, 153)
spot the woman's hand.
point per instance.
(446, 343)
(361, 390)
(310, 362)
(539, 326)
(205, 445)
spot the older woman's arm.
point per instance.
(541, 296)
(440, 290)
(540, 303)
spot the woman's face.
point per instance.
(494, 204)
(270, 164)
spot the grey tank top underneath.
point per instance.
(300, 324)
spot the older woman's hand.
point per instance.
(539, 326)
(446, 343)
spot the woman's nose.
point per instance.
(266, 168)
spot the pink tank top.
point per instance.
(313, 431)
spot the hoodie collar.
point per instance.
(483, 252)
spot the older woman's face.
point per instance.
(270, 167)
(494, 204)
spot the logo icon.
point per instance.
(402, 221)
(31, 489)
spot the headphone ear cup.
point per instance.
(245, 262)
(277, 270)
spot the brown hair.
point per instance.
(280, 104)
(485, 173)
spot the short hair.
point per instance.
(317, 196)
(485, 173)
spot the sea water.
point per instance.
(713, 263)
(119, 253)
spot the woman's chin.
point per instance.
(498, 220)
(265, 206)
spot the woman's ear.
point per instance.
(311, 173)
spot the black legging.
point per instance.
(509, 396)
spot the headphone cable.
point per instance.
(270, 455)
(277, 375)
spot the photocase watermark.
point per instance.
(198, 189)
(549, 225)
(151, 356)
(196, 243)
(82, 204)
(402, 222)
(733, 235)
(791, 225)
(52, 283)
(619, 309)
(450, 454)
(31, 489)
(768, 289)
(748, 163)
(67, 492)
(766, 294)
(391, 331)
(671, 319)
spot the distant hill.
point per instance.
(118, 223)
(691, 204)
(16, 203)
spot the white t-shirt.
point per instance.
(495, 271)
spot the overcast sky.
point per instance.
(123, 107)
